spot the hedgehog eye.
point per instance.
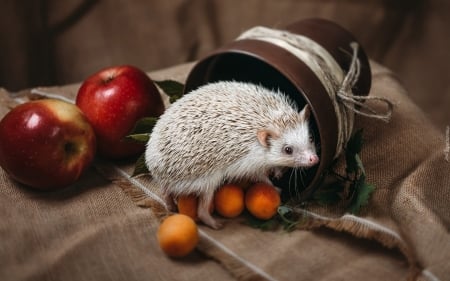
(288, 149)
(311, 139)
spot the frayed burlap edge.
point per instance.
(363, 228)
(208, 246)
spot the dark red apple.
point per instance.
(113, 100)
(46, 144)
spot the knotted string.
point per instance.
(349, 100)
(328, 71)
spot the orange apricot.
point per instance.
(178, 235)
(229, 200)
(262, 200)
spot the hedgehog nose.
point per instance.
(313, 159)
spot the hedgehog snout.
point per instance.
(307, 159)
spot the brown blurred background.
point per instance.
(48, 42)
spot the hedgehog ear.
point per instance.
(306, 112)
(265, 135)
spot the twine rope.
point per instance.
(347, 98)
(337, 84)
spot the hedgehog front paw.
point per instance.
(170, 203)
(207, 219)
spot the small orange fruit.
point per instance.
(262, 200)
(229, 200)
(188, 205)
(177, 235)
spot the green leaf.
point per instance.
(283, 211)
(142, 129)
(353, 147)
(265, 225)
(363, 190)
(140, 138)
(144, 125)
(360, 165)
(352, 166)
(172, 88)
(288, 218)
(355, 143)
(140, 167)
(329, 194)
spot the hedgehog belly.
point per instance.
(195, 185)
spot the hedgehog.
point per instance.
(227, 131)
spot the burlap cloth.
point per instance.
(104, 226)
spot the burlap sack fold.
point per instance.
(103, 227)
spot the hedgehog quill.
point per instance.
(227, 131)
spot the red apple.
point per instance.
(113, 100)
(46, 144)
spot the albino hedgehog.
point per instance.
(226, 131)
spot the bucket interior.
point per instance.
(244, 67)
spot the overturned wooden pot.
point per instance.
(309, 61)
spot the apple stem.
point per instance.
(108, 79)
